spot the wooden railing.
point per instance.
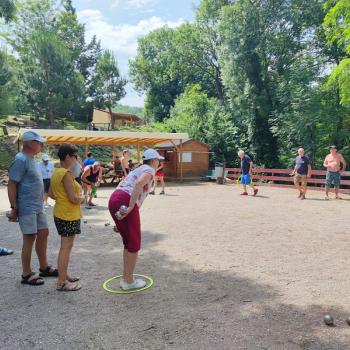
(282, 178)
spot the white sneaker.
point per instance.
(137, 284)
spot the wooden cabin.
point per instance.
(103, 120)
(195, 159)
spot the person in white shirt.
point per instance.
(46, 169)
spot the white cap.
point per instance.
(151, 154)
(32, 136)
(45, 157)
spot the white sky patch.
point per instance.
(122, 39)
(129, 4)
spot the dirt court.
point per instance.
(230, 272)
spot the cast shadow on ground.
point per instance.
(187, 308)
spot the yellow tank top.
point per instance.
(64, 209)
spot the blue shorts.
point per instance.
(30, 224)
(333, 177)
(245, 179)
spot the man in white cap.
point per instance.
(25, 193)
(46, 169)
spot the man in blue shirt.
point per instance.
(302, 171)
(247, 169)
(26, 193)
(90, 160)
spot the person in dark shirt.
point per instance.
(246, 168)
(302, 171)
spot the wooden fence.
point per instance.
(282, 178)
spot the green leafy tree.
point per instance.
(7, 10)
(264, 41)
(108, 85)
(337, 29)
(170, 59)
(206, 120)
(51, 83)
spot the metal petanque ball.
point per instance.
(328, 320)
(122, 210)
(348, 321)
(107, 224)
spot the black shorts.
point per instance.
(78, 180)
(46, 185)
(67, 228)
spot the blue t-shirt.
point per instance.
(302, 164)
(30, 188)
(245, 164)
(89, 161)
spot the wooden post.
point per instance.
(86, 147)
(138, 153)
(181, 167)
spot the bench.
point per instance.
(211, 174)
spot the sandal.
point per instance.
(48, 272)
(32, 279)
(68, 287)
(73, 279)
(5, 251)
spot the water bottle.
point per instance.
(122, 210)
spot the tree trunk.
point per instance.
(112, 117)
(52, 119)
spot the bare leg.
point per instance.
(155, 182)
(327, 191)
(336, 189)
(130, 260)
(162, 183)
(28, 241)
(41, 248)
(297, 186)
(244, 188)
(86, 189)
(63, 258)
(304, 189)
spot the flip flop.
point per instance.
(32, 279)
(5, 251)
(48, 272)
(68, 287)
(73, 279)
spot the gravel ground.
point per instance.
(230, 272)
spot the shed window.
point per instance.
(186, 157)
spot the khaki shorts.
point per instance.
(300, 178)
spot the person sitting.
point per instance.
(131, 165)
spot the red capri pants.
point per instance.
(130, 227)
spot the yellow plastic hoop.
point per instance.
(109, 290)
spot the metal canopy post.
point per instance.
(86, 147)
(138, 153)
(181, 166)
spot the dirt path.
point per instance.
(230, 272)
